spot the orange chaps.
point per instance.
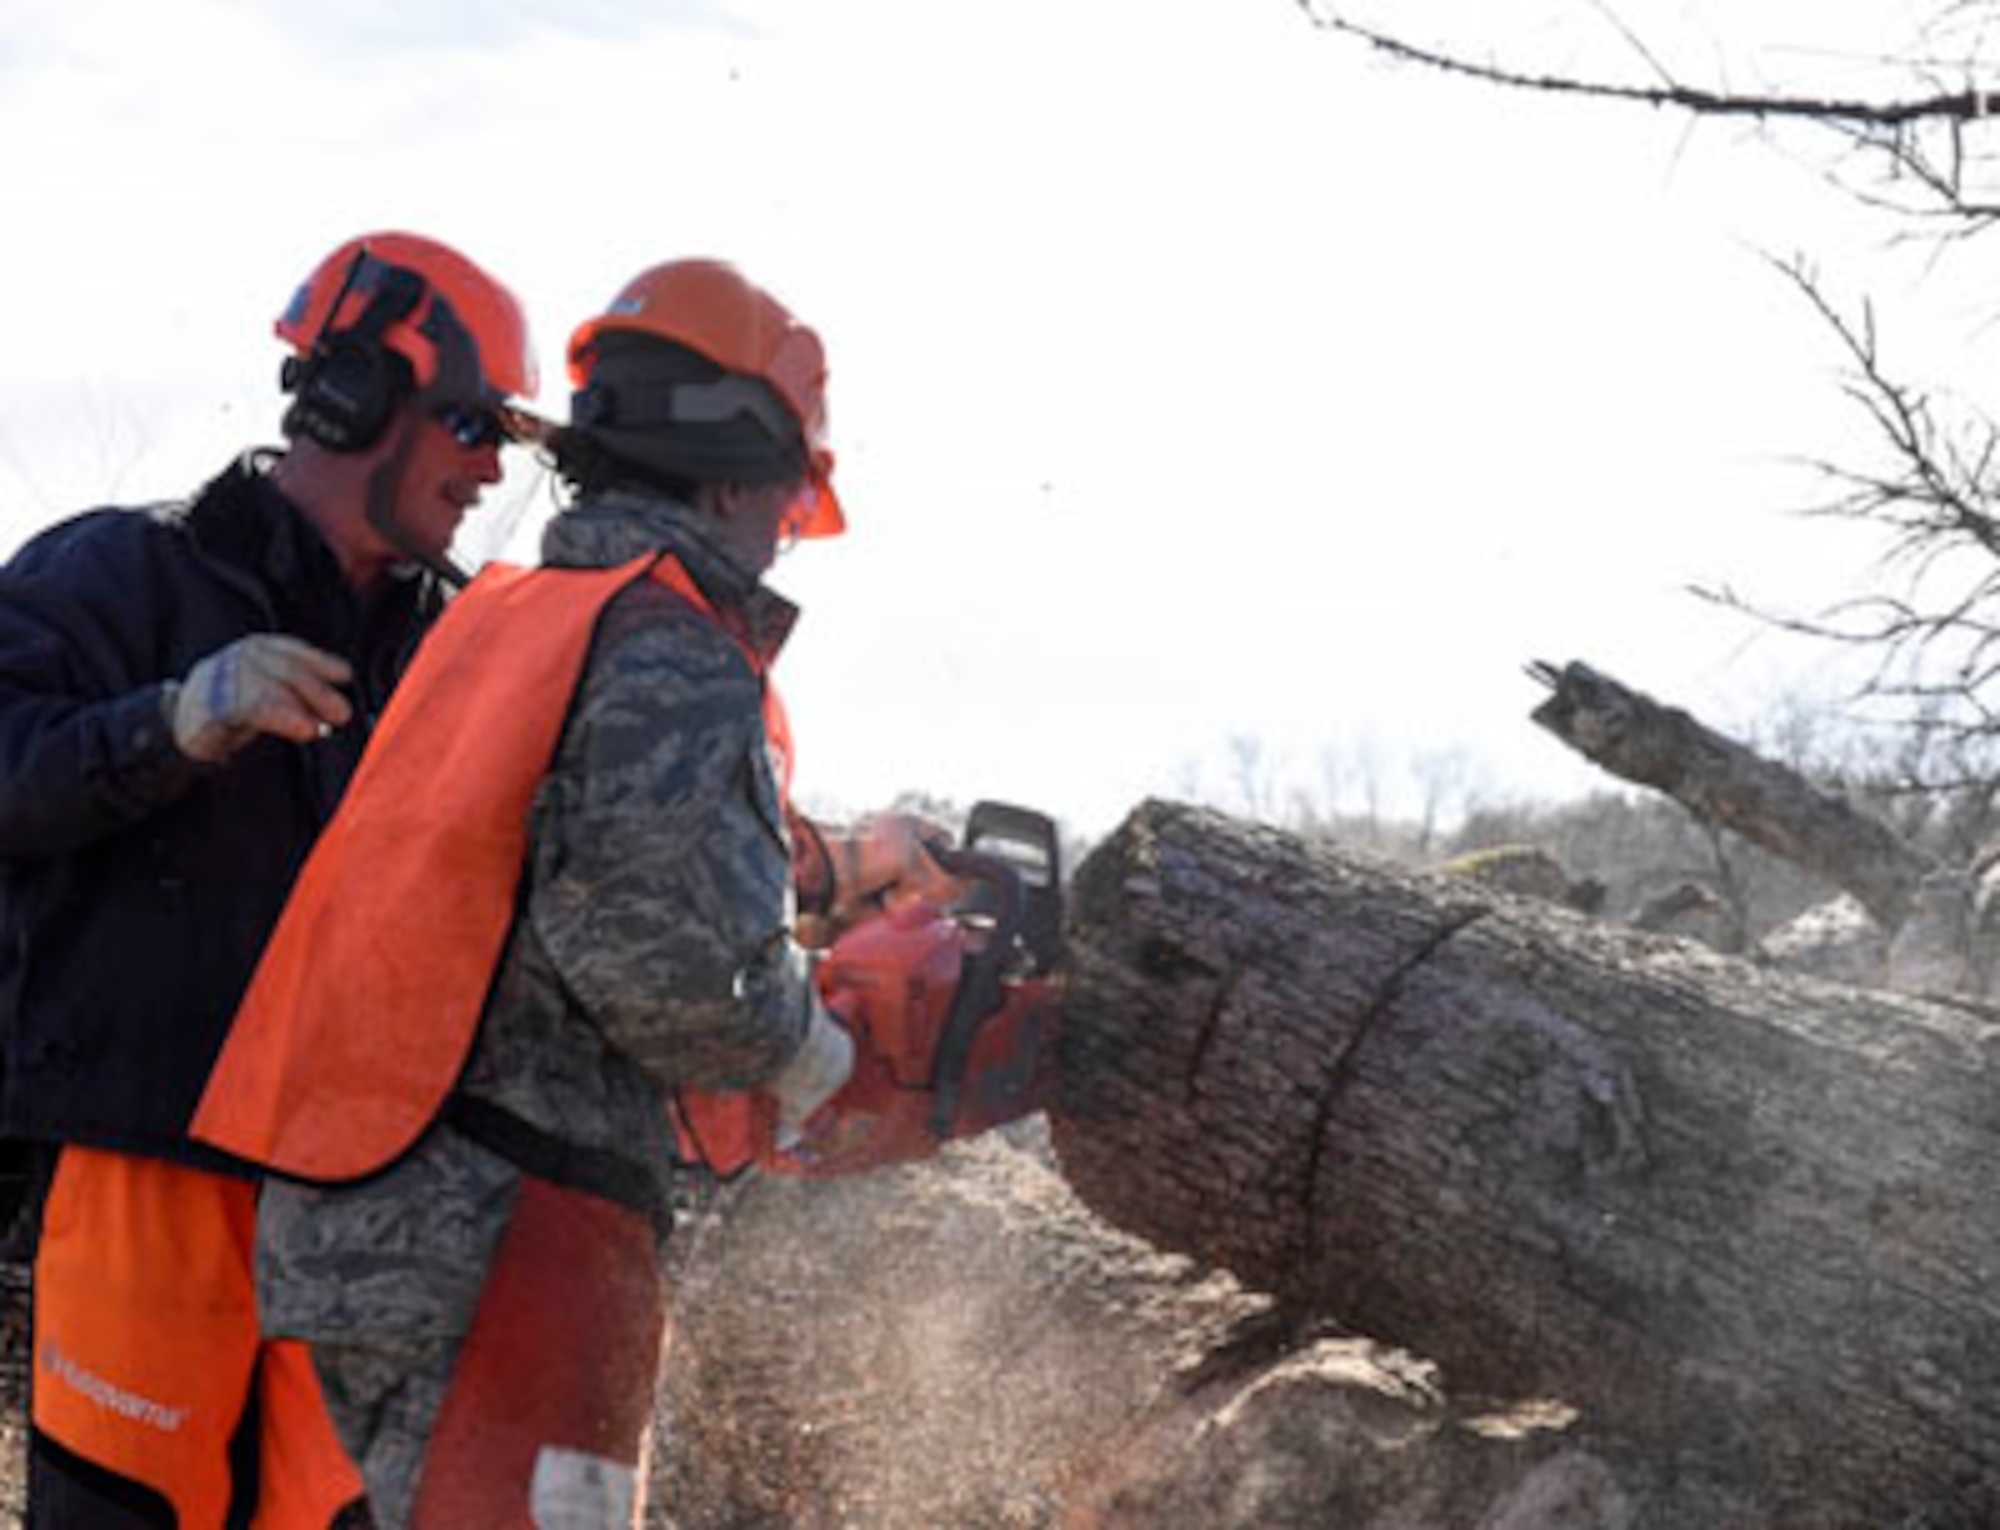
(545, 1419)
(146, 1349)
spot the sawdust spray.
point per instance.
(945, 1343)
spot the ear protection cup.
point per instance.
(345, 388)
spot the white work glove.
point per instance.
(884, 861)
(814, 1075)
(265, 683)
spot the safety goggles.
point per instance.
(473, 427)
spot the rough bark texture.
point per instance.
(1728, 786)
(1743, 1222)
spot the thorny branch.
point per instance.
(1970, 104)
(1919, 140)
(1967, 105)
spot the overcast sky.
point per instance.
(1197, 376)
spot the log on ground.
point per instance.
(1741, 1220)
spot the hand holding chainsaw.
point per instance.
(885, 862)
(940, 1013)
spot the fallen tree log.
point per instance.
(1744, 1222)
(1728, 786)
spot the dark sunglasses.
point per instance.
(473, 427)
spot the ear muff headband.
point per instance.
(348, 385)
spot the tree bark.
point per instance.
(1728, 786)
(1740, 1220)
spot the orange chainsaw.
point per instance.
(952, 1009)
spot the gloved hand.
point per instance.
(264, 683)
(884, 860)
(814, 1075)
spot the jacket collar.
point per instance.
(240, 519)
(252, 535)
(621, 524)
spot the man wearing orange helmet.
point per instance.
(184, 693)
(472, 1100)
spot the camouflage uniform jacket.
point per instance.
(652, 948)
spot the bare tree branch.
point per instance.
(1636, 42)
(1969, 104)
(1923, 165)
(1929, 631)
(1933, 637)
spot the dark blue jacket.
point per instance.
(137, 887)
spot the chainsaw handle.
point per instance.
(981, 988)
(995, 874)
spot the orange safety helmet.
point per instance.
(464, 335)
(710, 307)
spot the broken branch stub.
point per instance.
(1728, 786)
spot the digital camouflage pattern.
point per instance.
(384, 1401)
(653, 950)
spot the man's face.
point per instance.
(443, 477)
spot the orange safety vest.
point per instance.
(364, 1008)
(146, 1350)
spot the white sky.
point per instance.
(1196, 376)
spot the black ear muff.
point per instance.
(345, 388)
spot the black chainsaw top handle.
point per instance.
(981, 987)
(1028, 841)
(1002, 879)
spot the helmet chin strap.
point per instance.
(385, 483)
